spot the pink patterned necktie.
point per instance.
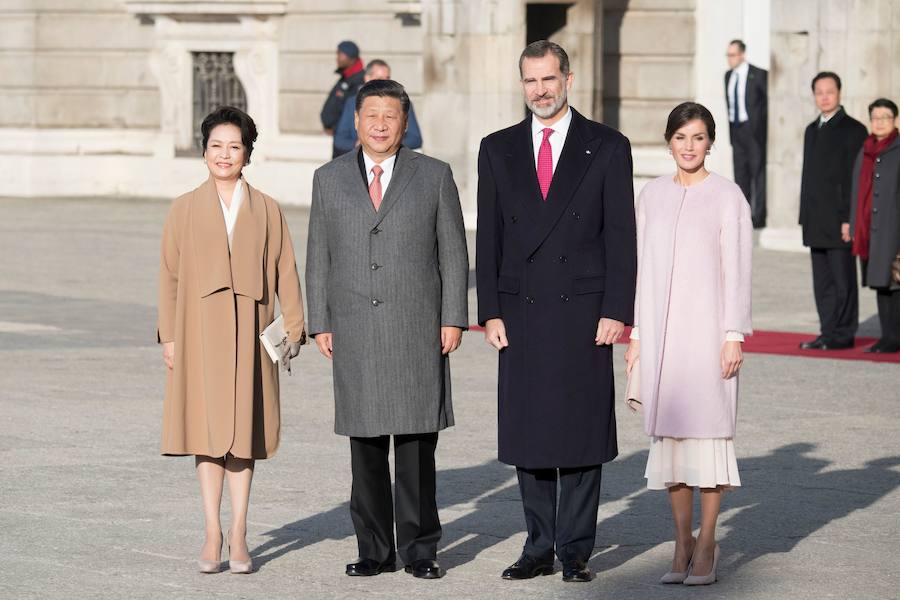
(375, 187)
(545, 163)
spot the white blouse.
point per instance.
(231, 212)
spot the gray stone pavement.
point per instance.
(88, 509)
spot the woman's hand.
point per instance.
(732, 359)
(631, 355)
(169, 354)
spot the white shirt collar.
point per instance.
(560, 128)
(230, 213)
(387, 170)
(742, 69)
(823, 119)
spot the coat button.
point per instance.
(576, 215)
(878, 160)
(375, 231)
(876, 192)
(563, 259)
(375, 266)
(375, 301)
(564, 297)
(529, 299)
(530, 259)
(874, 209)
(877, 175)
(515, 219)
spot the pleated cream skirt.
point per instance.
(704, 463)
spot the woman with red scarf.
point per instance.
(875, 218)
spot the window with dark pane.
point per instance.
(215, 84)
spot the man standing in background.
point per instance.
(345, 138)
(747, 95)
(830, 146)
(350, 68)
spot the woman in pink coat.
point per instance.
(692, 310)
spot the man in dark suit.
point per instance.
(830, 146)
(556, 268)
(747, 95)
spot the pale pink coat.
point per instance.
(694, 254)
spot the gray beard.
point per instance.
(546, 112)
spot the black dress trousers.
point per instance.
(750, 170)
(571, 528)
(372, 506)
(889, 315)
(837, 293)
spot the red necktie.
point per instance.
(545, 163)
(375, 187)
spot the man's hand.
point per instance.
(845, 232)
(495, 333)
(732, 359)
(169, 354)
(323, 341)
(609, 331)
(451, 338)
(631, 355)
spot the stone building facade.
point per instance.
(100, 97)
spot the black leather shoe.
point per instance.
(576, 571)
(836, 345)
(816, 344)
(527, 568)
(425, 568)
(888, 348)
(874, 348)
(366, 567)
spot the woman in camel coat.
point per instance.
(226, 255)
(692, 311)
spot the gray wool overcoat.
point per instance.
(884, 240)
(384, 283)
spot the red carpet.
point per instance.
(787, 344)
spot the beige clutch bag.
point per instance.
(633, 388)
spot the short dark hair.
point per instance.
(688, 111)
(383, 88)
(377, 62)
(826, 75)
(883, 103)
(739, 43)
(540, 49)
(225, 115)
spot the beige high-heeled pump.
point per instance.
(238, 567)
(704, 579)
(211, 566)
(679, 576)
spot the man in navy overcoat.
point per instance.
(556, 270)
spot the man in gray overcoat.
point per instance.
(386, 281)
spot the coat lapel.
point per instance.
(577, 154)
(522, 161)
(248, 245)
(210, 240)
(404, 168)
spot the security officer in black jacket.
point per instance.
(830, 146)
(351, 69)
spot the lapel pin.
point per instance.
(587, 151)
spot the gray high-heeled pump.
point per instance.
(678, 576)
(211, 566)
(704, 579)
(238, 567)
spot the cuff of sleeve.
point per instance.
(734, 336)
(635, 334)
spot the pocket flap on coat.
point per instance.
(508, 285)
(589, 285)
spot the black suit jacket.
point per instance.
(828, 156)
(756, 101)
(551, 270)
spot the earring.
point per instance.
(708, 152)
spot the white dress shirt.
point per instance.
(557, 138)
(823, 119)
(738, 95)
(231, 212)
(387, 166)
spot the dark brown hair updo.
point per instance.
(688, 111)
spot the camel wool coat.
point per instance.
(695, 249)
(222, 395)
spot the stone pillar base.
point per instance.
(788, 239)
